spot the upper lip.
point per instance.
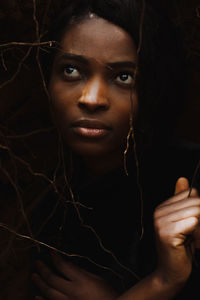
(91, 123)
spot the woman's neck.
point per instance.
(101, 165)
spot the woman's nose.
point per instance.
(94, 95)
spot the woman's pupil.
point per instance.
(70, 70)
(124, 77)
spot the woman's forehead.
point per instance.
(99, 39)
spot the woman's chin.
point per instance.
(89, 150)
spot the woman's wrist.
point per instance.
(155, 286)
(163, 282)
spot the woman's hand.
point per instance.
(76, 284)
(177, 233)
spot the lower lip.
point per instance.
(91, 132)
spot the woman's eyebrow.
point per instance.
(67, 56)
(84, 60)
(122, 64)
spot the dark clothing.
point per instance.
(107, 234)
(105, 230)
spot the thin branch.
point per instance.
(20, 201)
(141, 26)
(3, 61)
(29, 44)
(18, 69)
(194, 178)
(23, 162)
(36, 21)
(40, 243)
(37, 131)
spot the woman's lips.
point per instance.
(90, 132)
(91, 128)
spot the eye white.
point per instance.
(124, 78)
(71, 72)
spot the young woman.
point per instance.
(114, 73)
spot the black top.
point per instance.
(105, 231)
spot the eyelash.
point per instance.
(80, 75)
(127, 73)
(68, 76)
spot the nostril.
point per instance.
(92, 106)
(82, 105)
(93, 102)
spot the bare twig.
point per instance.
(29, 44)
(40, 243)
(18, 69)
(194, 178)
(38, 131)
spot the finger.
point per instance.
(54, 281)
(74, 272)
(47, 291)
(174, 206)
(177, 215)
(68, 269)
(182, 185)
(185, 227)
(179, 197)
(176, 233)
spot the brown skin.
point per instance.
(98, 89)
(79, 284)
(89, 90)
(174, 220)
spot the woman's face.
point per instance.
(91, 88)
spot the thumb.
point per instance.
(182, 184)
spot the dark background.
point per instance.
(22, 97)
(28, 140)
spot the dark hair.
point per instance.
(162, 76)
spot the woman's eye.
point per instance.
(71, 72)
(125, 78)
